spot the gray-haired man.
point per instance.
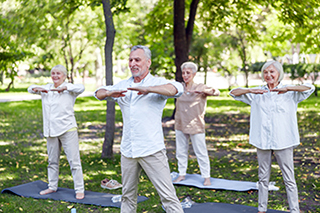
(142, 99)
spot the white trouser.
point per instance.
(69, 142)
(157, 169)
(285, 160)
(200, 149)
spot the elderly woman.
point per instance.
(274, 128)
(60, 127)
(189, 122)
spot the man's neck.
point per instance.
(138, 79)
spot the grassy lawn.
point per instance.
(23, 156)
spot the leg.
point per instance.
(157, 168)
(182, 147)
(264, 160)
(130, 170)
(53, 149)
(200, 149)
(70, 144)
(285, 160)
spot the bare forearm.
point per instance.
(300, 88)
(167, 90)
(102, 94)
(239, 91)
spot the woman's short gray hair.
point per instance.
(146, 50)
(278, 67)
(60, 68)
(189, 65)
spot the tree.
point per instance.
(57, 32)
(107, 147)
(11, 51)
(119, 6)
(182, 35)
(159, 31)
(211, 49)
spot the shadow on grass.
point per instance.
(23, 157)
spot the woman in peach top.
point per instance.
(189, 122)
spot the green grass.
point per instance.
(23, 156)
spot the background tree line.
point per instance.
(225, 34)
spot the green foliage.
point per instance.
(159, 33)
(302, 71)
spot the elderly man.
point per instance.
(142, 99)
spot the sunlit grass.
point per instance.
(23, 156)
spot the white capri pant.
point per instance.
(285, 160)
(69, 142)
(199, 147)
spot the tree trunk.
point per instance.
(182, 35)
(9, 86)
(243, 55)
(107, 148)
(180, 38)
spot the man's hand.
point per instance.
(116, 93)
(140, 90)
(103, 93)
(165, 89)
(39, 89)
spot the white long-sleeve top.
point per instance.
(142, 133)
(57, 108)
(273, 118)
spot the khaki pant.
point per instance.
(157, 169)
(285, 160)
(69, 142)
(200, 149)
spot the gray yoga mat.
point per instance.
(217, 183)
(224, 208)
(32, 189)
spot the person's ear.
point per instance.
(149, 63)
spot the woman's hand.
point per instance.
(280, 90)
(258, 91)
(203, 93)
(242, 91)
(39, 89)
(59, 89)
(298, 88)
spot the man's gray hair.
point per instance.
(190, 65)
(60, 68)
(278, 67)
(146, 50)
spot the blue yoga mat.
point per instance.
(32, 189)
(224, 208)
(217, 183)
